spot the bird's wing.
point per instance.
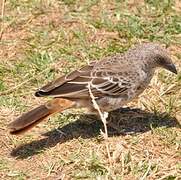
(112, 76)
(103, 78)
(71, 85)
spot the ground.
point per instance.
(41, 40)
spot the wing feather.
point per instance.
(103, 81)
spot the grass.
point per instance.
(43, 40)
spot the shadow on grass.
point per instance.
(126, 121)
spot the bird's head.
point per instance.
(158, 56)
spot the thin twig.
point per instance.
(2, 10)
(2, 18)
(103, 116)
(147, 171)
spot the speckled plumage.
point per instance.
(114, 81)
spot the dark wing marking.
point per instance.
(68, 85)
(109, 87)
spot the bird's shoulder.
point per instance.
(120, 66)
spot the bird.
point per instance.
(113, 81)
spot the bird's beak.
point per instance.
(171, 68)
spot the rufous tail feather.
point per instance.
(35, 116)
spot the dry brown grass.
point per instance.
(44, 39)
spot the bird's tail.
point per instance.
(35, 116)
